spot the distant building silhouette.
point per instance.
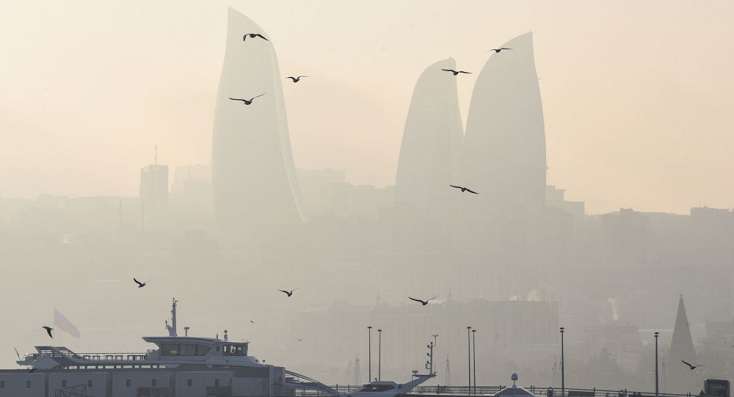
(153, 192)
(627, 237)
(431, 143)
(253, 176)
(191, 196)
(555, 198)
(319, 191)
(679, 378)
(504, 147)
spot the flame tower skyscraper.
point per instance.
(504, 147)
(254, 183)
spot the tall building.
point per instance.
(153, 191)
(504, 145)
(191, 196)
(431, 143)
(678, 377)
(253, 176)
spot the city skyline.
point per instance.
(414, 180)
(590, 154)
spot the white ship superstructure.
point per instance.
(178, 366)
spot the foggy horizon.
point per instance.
(113, 93)
(240, 200)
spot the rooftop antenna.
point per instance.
(226, 337)
(186, 330)
(172, 328)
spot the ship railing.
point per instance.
(111, 356)
(91, 356)
(336, 390)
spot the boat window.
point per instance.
(169, 349)
(27, 384)
(202, 350)
(188, 350)
(235, 350)
(128, 383)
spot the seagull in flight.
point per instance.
(247, 102)
(421, 301)
(498, 50)
(296, 79)
(253, 36)
(252, 321)
(139, 283)
(300, 339)
(463, 189)
(48, 331)
(690, 366)
(456, 72)
(287, 292)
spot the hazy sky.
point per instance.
(637, 94)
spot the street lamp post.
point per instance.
(657, 382)
(563, 366)
(474, 348)
(435, 344)
(379, 354)
(369, 353)
(435, 348)
(468, 346)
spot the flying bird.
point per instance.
(463, 189)
(498, 50)
(252, 322)
(48, 331)
(139, 283)
(421, 301)
(287, 292)
(690, 366)
(254, 35)
(296, 79)
(456, 72)
(246, 101)
(300, 339)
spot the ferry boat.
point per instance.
(178, 366)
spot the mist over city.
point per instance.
(330, 198)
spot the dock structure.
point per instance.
(531, 391)
(501, 391)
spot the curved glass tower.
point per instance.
(504, 146)
(431, 142)
(253, 175)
